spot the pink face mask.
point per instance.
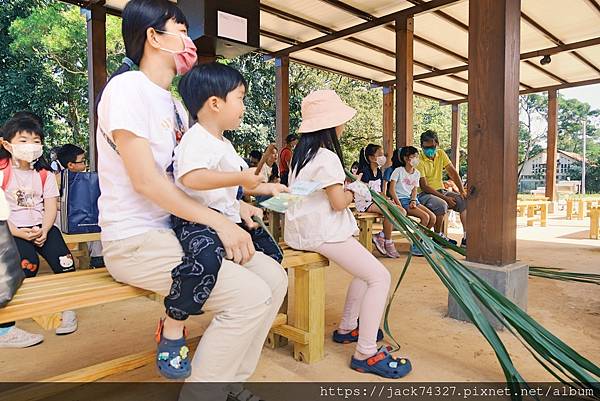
(185, 59)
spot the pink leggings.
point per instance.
(368, 291)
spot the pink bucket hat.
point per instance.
(324, 109)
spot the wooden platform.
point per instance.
(537, 211)
(78, 245)
(579, 208)
(41, 297)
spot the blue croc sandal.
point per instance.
(172, 356)
(352, 337)
(383, 364)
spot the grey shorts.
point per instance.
(439, 206)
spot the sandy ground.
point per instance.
(441, 349)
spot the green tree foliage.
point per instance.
(48, 46)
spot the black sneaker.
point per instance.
(463, 243)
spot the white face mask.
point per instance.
(414, 162)
(28, 152)
(381, 160)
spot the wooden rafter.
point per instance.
(557, 41)
(344, 33)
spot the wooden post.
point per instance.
(365, 236)
(309, 312)
(282, 99)
(569, 209)
(581, 209)
(594, 221)
(455, 153)
(494, 39)
(97, 75)
(544, 214)
(404, 81)
(388, 121)
(551, 148)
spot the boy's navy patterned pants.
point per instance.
(196, 276)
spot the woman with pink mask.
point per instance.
(139, 126)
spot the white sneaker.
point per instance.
(17, 338)
(68, 324)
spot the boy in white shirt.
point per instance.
(207, 167)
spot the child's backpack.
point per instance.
(6, 171)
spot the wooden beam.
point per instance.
(561, 48)
(404, 81)
(557, 41)
(528, 55)
(441, 88)
(455, 135)
(562, 86)
(551, 147)
(287, 40)
(594, 5)
(546, 72)
(494, 40)
(388, 121)
(358, 13)
(344, 33)
(282, 99)
(334, 70)
(445, 16)
(323, 29)
(97, 74)
(587, 82)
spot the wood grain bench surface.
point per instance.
(57, 292)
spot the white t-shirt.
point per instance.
(405, 182)
(199, 149)
(132, 102)
(266, 171)
(312, 221)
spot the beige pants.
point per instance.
(245, 300)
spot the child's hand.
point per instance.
(41, 240)
(247, 211)
(412, 204)
(30, 234)
(249, 179)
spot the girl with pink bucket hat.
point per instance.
(323, 223)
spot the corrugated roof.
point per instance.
(440, 40)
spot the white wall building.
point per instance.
(533, 175)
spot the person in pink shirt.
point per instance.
(32, 195)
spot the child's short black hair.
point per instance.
(20, 122)
(68, 154)
(206, 80)
(406, 152)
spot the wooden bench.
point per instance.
(365, 225)
(77, 244)
(579, 208)
(536, 211)
(595, 222)
(43, 296)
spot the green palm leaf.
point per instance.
(560, 360)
